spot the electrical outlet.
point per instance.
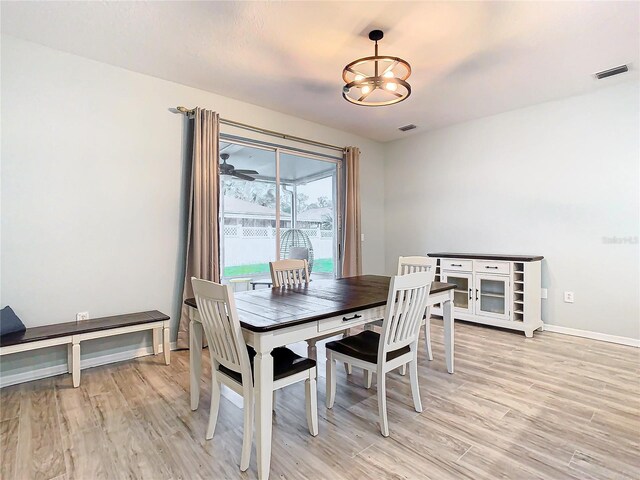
(543, 293)
(568, 297)
(82, 316)
(362, 237)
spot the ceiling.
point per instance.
(294, 169)
(469, 59)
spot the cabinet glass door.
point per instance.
(492, 296)
(463, 294)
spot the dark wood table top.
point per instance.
(274, 308)
(489, 256)
(57, 330)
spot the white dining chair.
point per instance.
(232, 362)
(413, 264)
(396, 345)
(289, 272)
(293, 272)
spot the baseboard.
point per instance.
(631, 342)
(37, 374)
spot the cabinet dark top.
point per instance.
(489, 256)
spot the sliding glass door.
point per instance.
(276, 203)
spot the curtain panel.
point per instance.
(203, 246)
(352, 251)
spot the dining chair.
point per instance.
(232, 362)
(413, 264)
(396, 345)
(290, 272)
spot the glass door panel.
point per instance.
(463, 293)
(492, 296)
(308, 212)
(247, 214)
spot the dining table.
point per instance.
(275, 317)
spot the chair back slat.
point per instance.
(289, 273)
(406, 304)
(217, 309)
(415, 264)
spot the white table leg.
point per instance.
(263, 384)
(312, 351)
(448, 331)
(156, 340)
(75, 362)
(195, 361)
(166, 345)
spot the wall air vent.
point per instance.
(611, 72)
(406, 128)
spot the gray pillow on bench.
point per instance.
(9, 322)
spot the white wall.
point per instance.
(551, 179)
(93, 190)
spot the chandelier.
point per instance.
(378, 80)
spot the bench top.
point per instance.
(46, 332)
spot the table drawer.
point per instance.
(455, 264)
(492, 266)
(349, 320)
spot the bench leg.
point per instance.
(70, 357)
(75, 364)
(165, 345)
(156, 340)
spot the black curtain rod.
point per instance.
(264, 131)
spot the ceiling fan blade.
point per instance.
(242, 176)
(246, 172)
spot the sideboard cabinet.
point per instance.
(499, 290)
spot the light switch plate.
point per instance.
(82, 316)
(568, 297)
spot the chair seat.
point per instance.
(285, 364)
(364, 346)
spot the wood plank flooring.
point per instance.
(552, 407)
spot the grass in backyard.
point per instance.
(320, 265)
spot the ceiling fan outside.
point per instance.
(228, 169)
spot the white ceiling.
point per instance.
(469, 59)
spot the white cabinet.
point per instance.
(499, 290)
(464, 293)
(492, 296)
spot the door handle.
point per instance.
(476, 294)
(345, 319)
(470, 294)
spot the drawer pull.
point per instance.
(456, 264)
(489, 266)
(345, 319)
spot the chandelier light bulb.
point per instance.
(358, 78)
(391, 86)
(388, 74)
(366, 89)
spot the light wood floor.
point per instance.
(551, 407)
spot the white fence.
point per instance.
(251, 245)
(238, 231)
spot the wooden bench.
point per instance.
(72, 333)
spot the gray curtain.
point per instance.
(352, 252)
(203, 246)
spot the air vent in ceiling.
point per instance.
(406, 128)
(611, 72)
